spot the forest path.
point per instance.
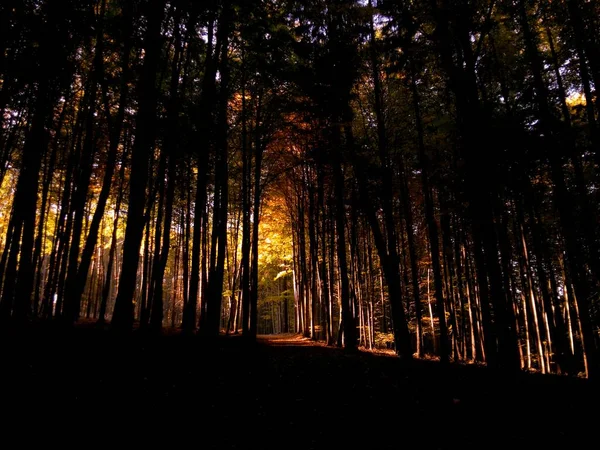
(87, 385)
(288, 340)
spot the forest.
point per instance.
(418, 177)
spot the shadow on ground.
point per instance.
(88, 388)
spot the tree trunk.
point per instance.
(220, 211)
(145, 134)
(348, 319)
(206, 108)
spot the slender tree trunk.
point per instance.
(348, 319)
(170, 147)
(324, 273)
(123, 314)
(220, 213)
(207, 101)
(256, 208)
(245, 262)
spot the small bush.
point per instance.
(384, 340)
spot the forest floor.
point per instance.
(88, 388)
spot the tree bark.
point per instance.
(144, 142)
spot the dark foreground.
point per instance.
(87, 388)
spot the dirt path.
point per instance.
(288, 340)
(88, 387)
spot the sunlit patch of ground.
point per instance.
(289, 339)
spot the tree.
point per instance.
(143, 146)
